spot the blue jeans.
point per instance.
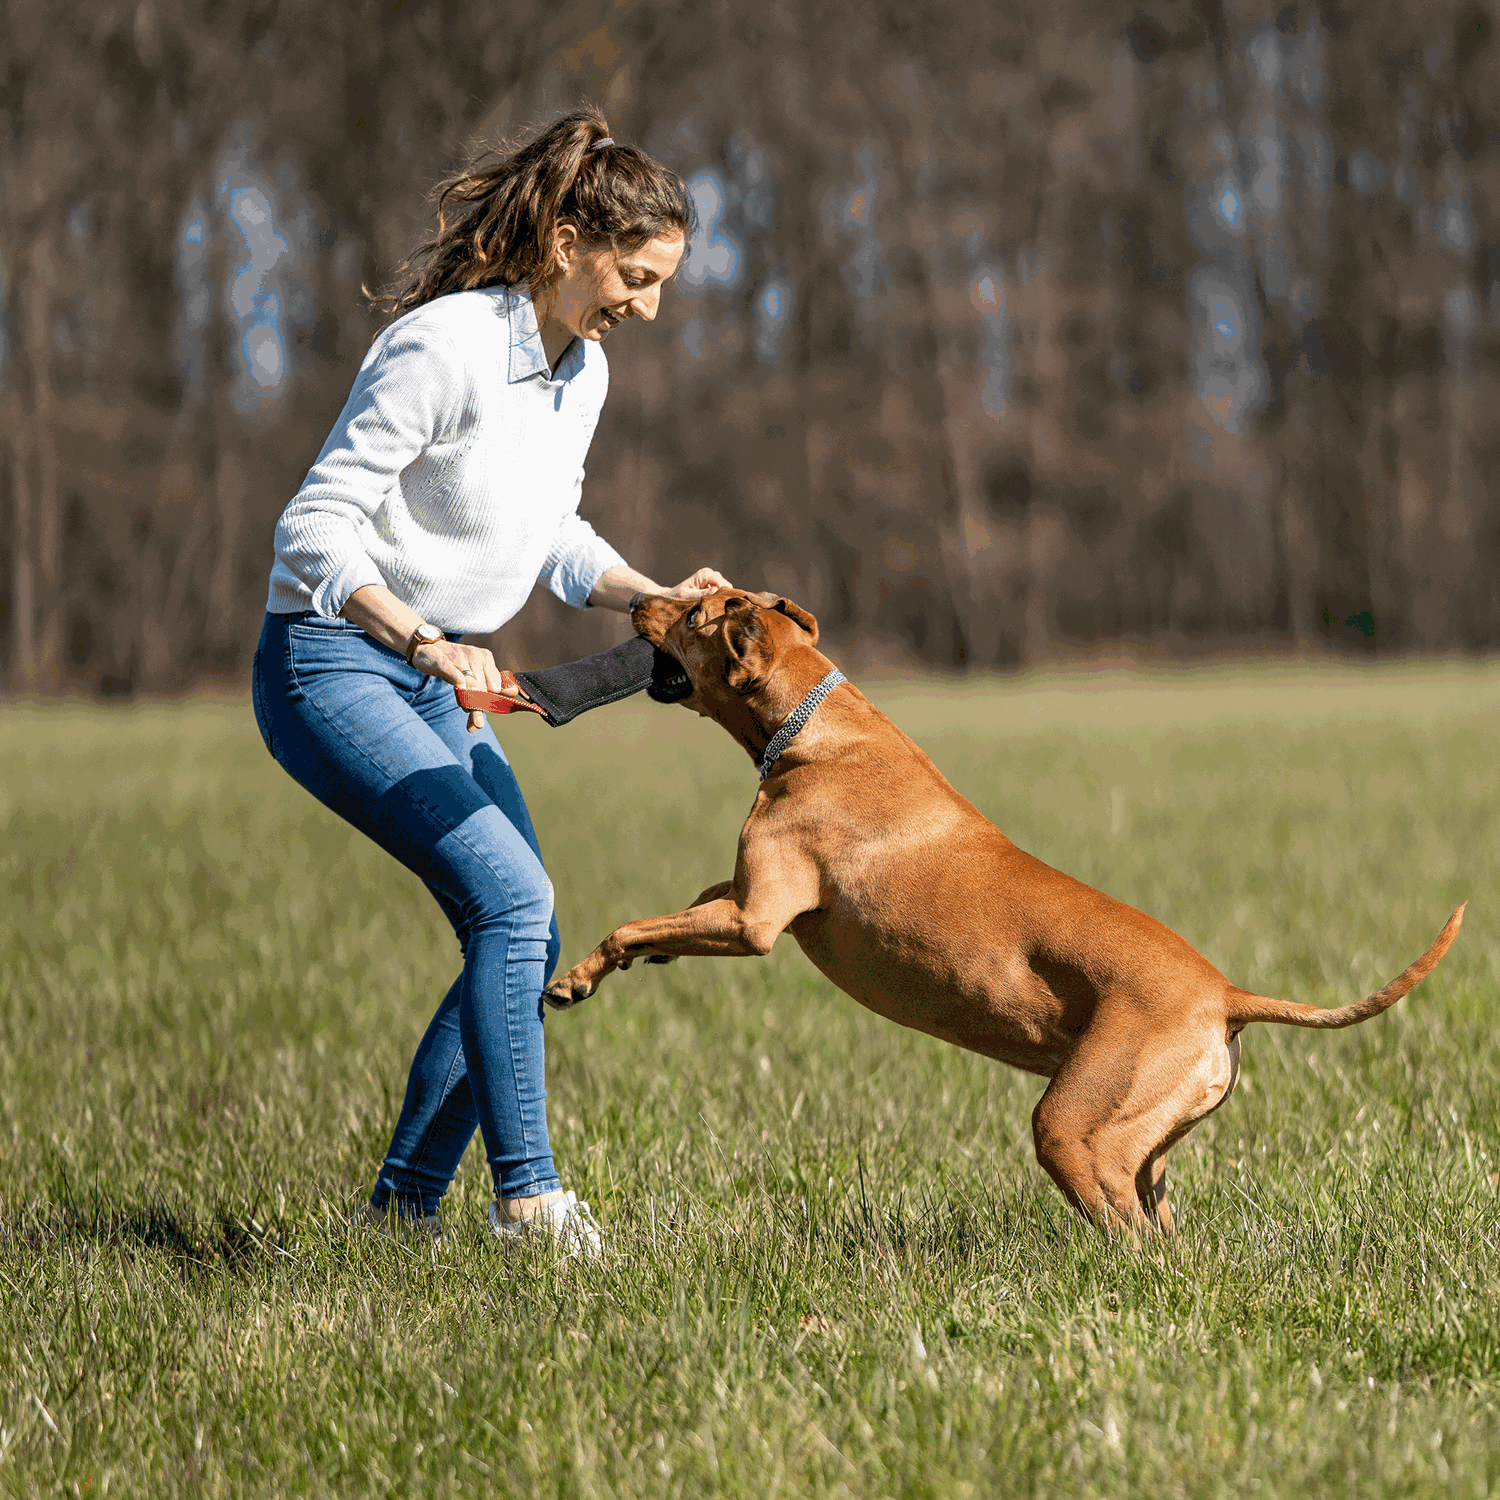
(385, 747)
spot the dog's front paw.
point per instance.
(574, 986)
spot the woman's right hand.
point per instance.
(471, 667)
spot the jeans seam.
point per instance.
(258, 703)
(511, 1039)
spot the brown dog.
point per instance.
(920, 908)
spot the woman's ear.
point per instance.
(564, 245)
(803, 617)
(744, 643)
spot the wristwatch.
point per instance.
(423, 635)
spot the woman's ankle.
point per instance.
(513, 1210)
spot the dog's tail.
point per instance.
(1245, 1007)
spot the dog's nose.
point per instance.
(639, 606)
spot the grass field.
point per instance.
(837, 1268)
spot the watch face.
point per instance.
(429, 633)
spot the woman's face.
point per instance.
(600, 289)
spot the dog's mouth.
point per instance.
(669, 683)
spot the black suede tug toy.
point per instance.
(564, 692)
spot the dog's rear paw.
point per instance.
(662, 958)
(566, 992)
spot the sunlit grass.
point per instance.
(836, 1265)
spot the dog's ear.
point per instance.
(803, 617)
(744, 641)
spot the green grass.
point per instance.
(837, 1268)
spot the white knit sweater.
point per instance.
(453, 473)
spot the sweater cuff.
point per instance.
(332, 594)
(574, 577)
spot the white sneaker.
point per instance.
(391, 1221)
(569, 1224)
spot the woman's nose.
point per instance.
(645, 303)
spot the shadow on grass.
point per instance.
(942, 1226)
(224, 1240)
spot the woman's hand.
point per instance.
(471, 667)
(704, 581)
(619, 585)
(379, 613)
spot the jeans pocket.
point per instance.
(324, 632)
(332, 647)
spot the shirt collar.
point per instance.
(527, 357)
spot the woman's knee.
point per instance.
(516, 896)
(554, 949)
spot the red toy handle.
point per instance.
(485, 701)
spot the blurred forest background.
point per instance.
(1012, 329)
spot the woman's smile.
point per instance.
(635, 280)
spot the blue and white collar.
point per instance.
(527, 357)
(797, 721)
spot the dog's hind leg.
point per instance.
(1151, 1180)
(1097, 1183)
(1151, 1191)
(1104, 1125)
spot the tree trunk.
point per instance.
(22, 559)
(231, 493)
(47, 532)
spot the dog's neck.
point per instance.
(754, 719)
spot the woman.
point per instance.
(448, 487)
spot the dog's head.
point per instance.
(729, 639)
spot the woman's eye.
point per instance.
(692, 618)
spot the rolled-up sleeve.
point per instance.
(409, 387)
(577, 559)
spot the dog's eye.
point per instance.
(692, 618)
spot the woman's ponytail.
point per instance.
(498, 221)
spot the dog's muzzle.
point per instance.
(669, 683)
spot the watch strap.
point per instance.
(419, 639)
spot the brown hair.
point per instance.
(507, 206)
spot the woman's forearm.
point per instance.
(378, 612)
(617, 586)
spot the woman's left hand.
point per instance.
(704, 581)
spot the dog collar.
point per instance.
(797, 721)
